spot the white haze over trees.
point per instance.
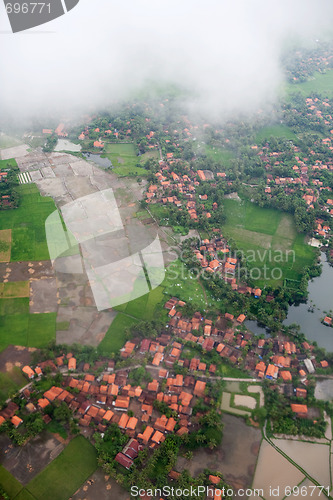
(226, 53)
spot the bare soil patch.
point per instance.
(235, 458)
(102, 487)
(43, 295)
(15, 356)
(25, 462)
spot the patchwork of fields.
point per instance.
(27, 225)
(60, 479)
(269, 240)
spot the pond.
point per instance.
(254, 327)
(320, 299)
(101, 162)
(324, 389)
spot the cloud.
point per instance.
(226, 53)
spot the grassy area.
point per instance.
(124, 160)
(145, 307)
(28, 224)
(278, 131)
(10, 383)
(152, 153)
(8, 482)
(181, 283)
(221, 156)
(232, 371)
(321, 83)
(62, 325)
(116, 335)
(18, 327)
(10, 162)
(269, 240)
(15, 289)
(5, 244)
(57, 428)
(8, 142)
(66, 473)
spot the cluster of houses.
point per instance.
(213, 255)
(286, 360)
(168, 181)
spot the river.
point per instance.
(320, 299)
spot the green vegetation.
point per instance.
(57, 428)
(277, 131)
(28, 224)
(8, 142)
(321, 83)
(219, 155)
(115, 337)
(66, 473)
(10, 383)
(8, 163)
(145, 307)
(18, 327)
(269, 240)
(124, 160)
(154, 153)
(14, 289)
(181, 283)
(8, 483)
(62, 325)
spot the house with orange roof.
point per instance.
(199, 388)
(29, 372)
(158, 437)
(146, 435)
(286, 376)
(157, 359)
(72, 364)
(16, 421)
(241, 318)
(43, 403)
(272, 372)
(301, 411)
(123, 421)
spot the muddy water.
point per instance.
(274, 471)
(313, 458)
(324, 389)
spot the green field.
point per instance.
(5, 163)
(321, 83)
(124, 160)
(8, 482)
(116, 335)
(62, 478)
(10, 383)
(219, 155)
(269, 240)
(152, 153)
(278, 131)
(8, 142)
(28, 224)
(179, 282)
(146, 306)
(18, 327)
